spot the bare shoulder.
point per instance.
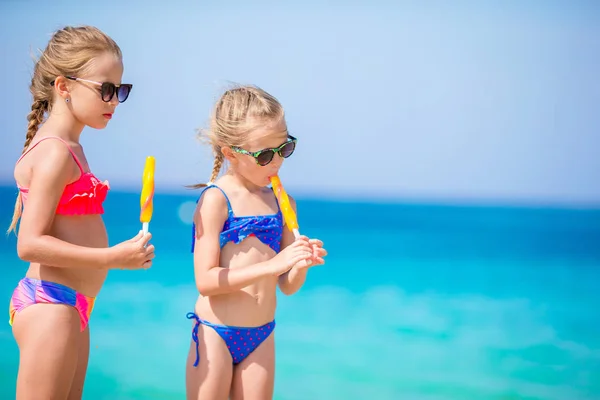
(212, 205)
(49, 158)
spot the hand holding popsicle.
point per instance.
(147, 195)
(291, 222)
(135, 253)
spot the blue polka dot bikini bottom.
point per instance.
(240, 341)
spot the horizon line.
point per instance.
(390, 198)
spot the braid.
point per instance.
(16, 215)
(34, 118)
(217, 166)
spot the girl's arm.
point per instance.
(209, 217)
(53, 170)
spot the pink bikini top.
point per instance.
(82, 197)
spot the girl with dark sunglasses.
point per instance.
(75, 83)
(242, 251)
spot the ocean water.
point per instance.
(415, 302)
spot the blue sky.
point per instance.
(411, 100)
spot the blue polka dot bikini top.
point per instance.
(267, 228)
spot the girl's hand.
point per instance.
(134, 253)
(299, 252)
(318, 254)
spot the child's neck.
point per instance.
(63, 125)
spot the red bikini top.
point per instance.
(82, 197)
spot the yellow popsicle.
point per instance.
(284, 204)
(147, 195)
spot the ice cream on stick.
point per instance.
(147, 195)
(285, 206)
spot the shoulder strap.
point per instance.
(276, 199)
(53, 137)
(229, 209)
(212, 185)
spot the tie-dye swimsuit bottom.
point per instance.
(31, 291)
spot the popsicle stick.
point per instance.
(145, 227)
(302, 264)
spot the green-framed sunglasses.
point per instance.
(265, 156)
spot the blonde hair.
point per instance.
(68, 53)
(239, 111)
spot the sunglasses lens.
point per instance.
(123, 93)
(108, 91)
(288, 149)
(265, 157)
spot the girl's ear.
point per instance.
(229, 155)
(61, 86)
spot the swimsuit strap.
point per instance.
(276, 200)
(192, 315)
(229, 209)
(53, 137)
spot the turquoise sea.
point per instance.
(415, 302)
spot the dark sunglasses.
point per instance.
(265, 156)
(107, 89)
